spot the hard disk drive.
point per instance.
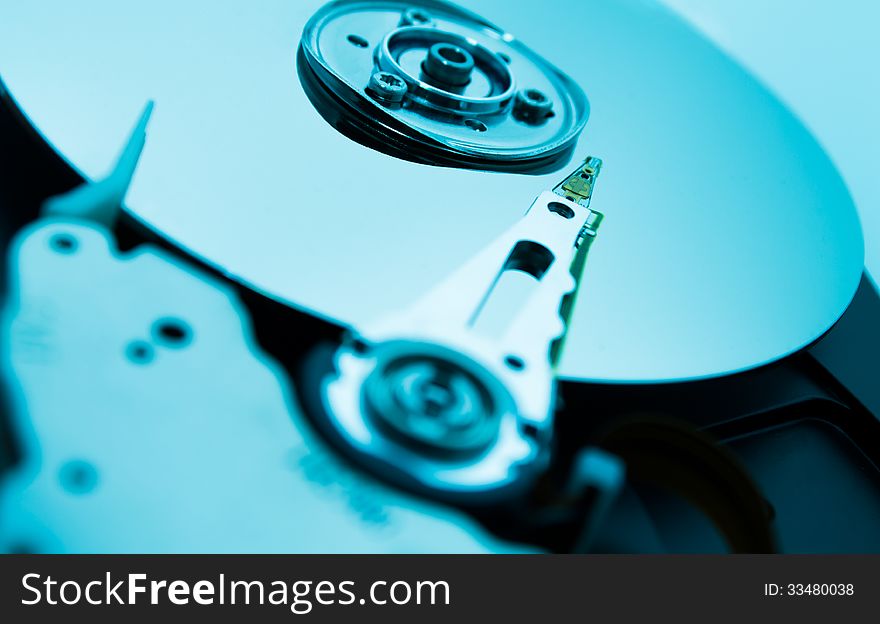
(351, 276)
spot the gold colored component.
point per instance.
(578, 186)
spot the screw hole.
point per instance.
(561, 209)
(514, 362)
(530, 431)
(453, 54)
(358, 41)
(172, 332)
(475, 125)
(140, 352)
(78, 477)
(63, 243)
(415, 17)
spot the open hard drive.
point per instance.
(409, 276)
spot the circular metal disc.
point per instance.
(472, 121)
(729, 239)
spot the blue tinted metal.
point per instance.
(729, 238)
(134, 441)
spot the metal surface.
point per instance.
(152, 423)
(456, 393)
(461, 75)
(733, 241)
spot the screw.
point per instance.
(532, 105)
(386, 87)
